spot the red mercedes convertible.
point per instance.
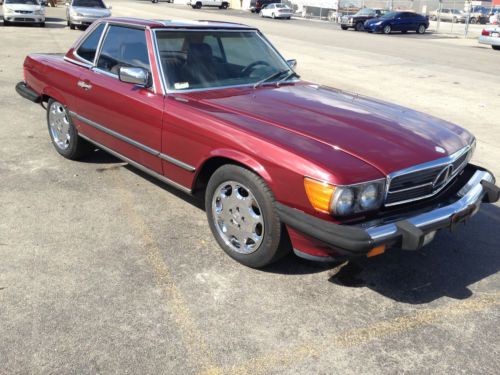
(283, 165)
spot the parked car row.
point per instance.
(378, 21)
(23, 11)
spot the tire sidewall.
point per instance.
(389, 28)
(72, 149)
(267, 252)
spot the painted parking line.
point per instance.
(282, 359)
(193, 340)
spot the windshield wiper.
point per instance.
(288, 76)
(272, 76)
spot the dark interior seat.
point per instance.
(200, 66)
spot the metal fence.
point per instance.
(456, 17)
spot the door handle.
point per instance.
(84, 85)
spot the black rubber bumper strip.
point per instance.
(27, 93)
(350, 239)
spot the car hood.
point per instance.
(26, 7)
(94, 12)
(386, 136)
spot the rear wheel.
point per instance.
(6, 23)
(272, 15)
(343, 27)
(387, 29)
(242, 216)
(497, 48)
(421, 29)
(63, 133)
(224, 6)
(198, 5)
(359, 26)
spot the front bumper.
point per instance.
(24, 18)
(409, 233)
(83, 21)
(492, 41)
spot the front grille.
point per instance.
(23, 11)
(420, 183)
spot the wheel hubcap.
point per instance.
(59, 125)
(238, 217)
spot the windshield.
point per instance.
(365, 12)
(88, 3)
(214, 59)
(27, 2)
(281, 6)
(390, 15)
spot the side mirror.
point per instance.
(292, 63)
(137, 76)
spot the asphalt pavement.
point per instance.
(104, 270)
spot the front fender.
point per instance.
(241, 158)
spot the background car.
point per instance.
(449, 15)
(398, 21)
(257, 5)
(197, 4)
(83, 12)
(491, 36)
(276, 11)
(358, 20)
(23, 11)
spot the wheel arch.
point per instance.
(222, 157)
(52, 93)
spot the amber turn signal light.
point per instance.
(319, 194)
(376, 251)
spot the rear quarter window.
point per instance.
(88, 48)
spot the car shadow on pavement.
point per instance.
(446, 267)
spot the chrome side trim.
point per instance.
(472, 194)
(179, 163)
(79, 63)
(134, 143)
(138, 166)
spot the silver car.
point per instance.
(81, 13)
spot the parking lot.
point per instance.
(104, 270)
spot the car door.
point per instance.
(397, 22)
(122, 116)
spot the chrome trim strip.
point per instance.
(138, 166)
(130, 141)
(100, 43)
(420, 167)
(410, 188)
(472, 193)
(179, 163)
(73, 61)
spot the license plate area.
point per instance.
(495, 35)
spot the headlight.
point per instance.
(345, 200)
(378, 23)
(9, 10)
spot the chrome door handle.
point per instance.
(84, 85)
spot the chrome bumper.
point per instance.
(472, 194)
(407, 231)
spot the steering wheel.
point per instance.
(248, 69)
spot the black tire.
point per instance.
(224, 6)
(275, 242)
(343, 27)
(77, 146)
(359, 26)
(473, 21)
(288, 18)
(42, 24)
(496, 48)
(434, 18)
(71, 26)
(6, 23)
(421, 29)
(198, 5)
(387, 29)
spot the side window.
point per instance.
(123, 46)
(88, 48)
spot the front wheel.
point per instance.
(496, 48)
(242, 215)
(223, 6)
(421, 29)
(63, 133)
(387, 29)
(343, 27)
(360, 26)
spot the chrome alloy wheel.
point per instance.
(59, 125)
(238, 217)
